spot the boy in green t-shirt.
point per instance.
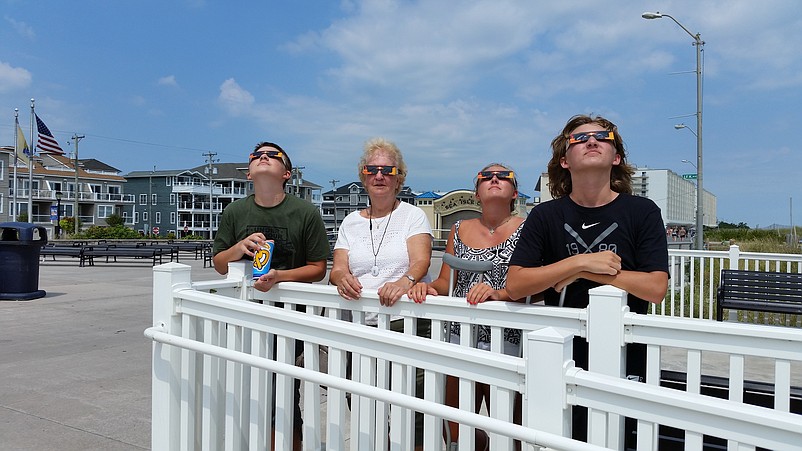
(301, 245)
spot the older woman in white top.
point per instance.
(387, 246)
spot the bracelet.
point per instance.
(411, 279)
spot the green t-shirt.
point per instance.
(295, 226)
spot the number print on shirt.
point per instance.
(573, 249)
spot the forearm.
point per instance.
(223, 258)
(649, 286)
(311, 272)
(523, 282)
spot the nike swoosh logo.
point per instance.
(585, 227)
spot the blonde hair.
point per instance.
(377, 145)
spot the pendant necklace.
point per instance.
(375, 270)
(492, 230)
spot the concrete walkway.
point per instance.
(75, 366)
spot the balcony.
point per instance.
(69, 196)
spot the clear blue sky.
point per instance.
(456, 84)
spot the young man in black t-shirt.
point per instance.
(594, 232)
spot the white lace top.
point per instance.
(389, 248)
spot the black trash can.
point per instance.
(20, 246)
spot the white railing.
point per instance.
(694, 282)
(214, 357)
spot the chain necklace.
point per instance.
(492, 230)
(375, 269)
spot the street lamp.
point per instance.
(698, 43)
(681, 126)
(59, 195)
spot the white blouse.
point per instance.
(388, 251)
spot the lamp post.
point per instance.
(698, 42)
(59, 195)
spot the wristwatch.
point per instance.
(411, 279)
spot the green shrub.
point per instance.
(118, 232)
(115, 220)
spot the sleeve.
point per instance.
(529, 249)
(343, 241)
(652, 245)
(318, 242)
(223, 237)
(418, 223)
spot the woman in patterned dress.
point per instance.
(490, 237)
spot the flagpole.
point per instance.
(16, 162)
(30, 165)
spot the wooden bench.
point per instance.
(762, 291)
(68, 251)
(112, 252)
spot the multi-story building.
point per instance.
(54, 190)
(675, 195)
(186, 202)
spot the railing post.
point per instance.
(241, 271)
(548, 354)
(734, 257)
(166, 370)
(606, 355)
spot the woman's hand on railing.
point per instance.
(419, 291)
(349, 288)
(482, 292)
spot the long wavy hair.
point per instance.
(560, 178)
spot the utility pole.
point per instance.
(149, 224)
(77, 138)
(210, 159)
(296, 175)
(334, 190)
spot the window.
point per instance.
(104, 211)
(96, 189)
(153, 199)
(143, 199)
(136, 217)
(115, 189)
(168, 181)
(158, 218)
(172, 217)
(144, 216)
(172, 199)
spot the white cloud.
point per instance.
(168, 80)
(234, 99)
(12, 78)
(22, 28)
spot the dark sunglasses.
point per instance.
(601, 135)
(277, 154)
(501, 175)
(370, 169)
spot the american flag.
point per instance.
(46, 141)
